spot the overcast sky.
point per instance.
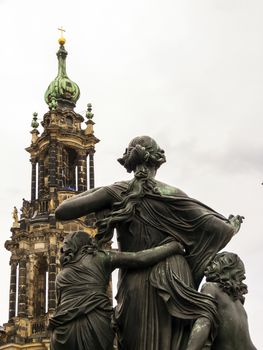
(188, 73)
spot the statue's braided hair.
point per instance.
(142, 150)
(142, 155)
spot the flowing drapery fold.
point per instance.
(83, 317)
(160, 303)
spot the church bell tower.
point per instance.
(62, 161)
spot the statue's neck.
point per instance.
(151, 170)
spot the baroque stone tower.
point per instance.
(62, 161)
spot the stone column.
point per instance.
(82, 172)
(22, 292)
(91, 169)
(40, 177)
(12, 294)
(33, 179)
(30, 281)
(52, 266)
(60, 166)
(52, 163)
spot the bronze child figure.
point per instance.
(82, 320)
(224, 276)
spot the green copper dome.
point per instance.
(62, 90)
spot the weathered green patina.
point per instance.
(35, 123)
(62, 89)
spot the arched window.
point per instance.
(40, 286)
(69, 163)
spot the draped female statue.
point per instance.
(156, 305)
(82, 320)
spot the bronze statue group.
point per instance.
(167, 243)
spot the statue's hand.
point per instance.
(236, 221)
(181, 249)
(178, 248)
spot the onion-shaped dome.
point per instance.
(62, 90)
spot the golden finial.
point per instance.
(61, 40)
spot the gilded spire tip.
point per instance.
(62, 90)
(61, 40)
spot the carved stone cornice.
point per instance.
(11, 245)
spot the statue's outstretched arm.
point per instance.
(85, 193)
(146, 257)
(83, 204)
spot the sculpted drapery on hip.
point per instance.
(156, 305)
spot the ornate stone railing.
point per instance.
(43, 206)
(39, 326)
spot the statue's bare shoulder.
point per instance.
(210, 288)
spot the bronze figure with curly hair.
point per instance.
(224, 276)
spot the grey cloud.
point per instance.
(231, 158)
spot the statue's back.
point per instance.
(233, 333)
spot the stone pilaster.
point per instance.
(91, 169)
(22, 290)
(52, 163)
(60, 170)
(33, 179)
(30, 280)
(12, 295)
(40, 177)
(52, 271)
(82, 172)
